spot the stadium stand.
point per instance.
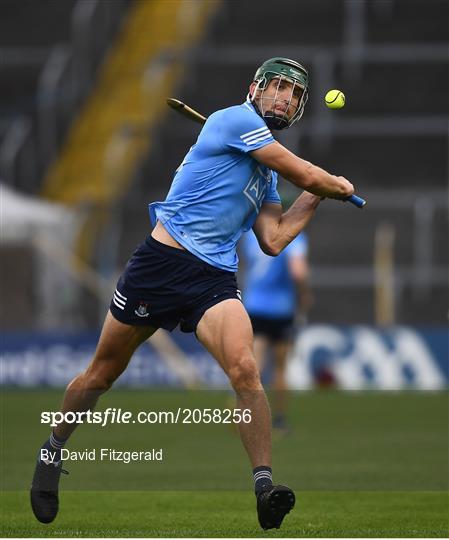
(391, 139)
(50, 54)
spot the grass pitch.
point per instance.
(231, 514)
(362, 465)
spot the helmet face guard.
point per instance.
(283, 71)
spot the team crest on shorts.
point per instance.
(142, 310)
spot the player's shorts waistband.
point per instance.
(164, 248)
(182, 253)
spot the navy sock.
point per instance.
(262, 478)
(54, 445)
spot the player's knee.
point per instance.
(99, 377)
(90, 384)
(244, 374)
(98, 382)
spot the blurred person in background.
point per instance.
(184, 272)
(277, 297)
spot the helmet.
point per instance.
(282, 69)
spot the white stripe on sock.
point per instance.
(258, 476)
(56, 444)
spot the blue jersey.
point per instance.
(219, 188)
(270, 290)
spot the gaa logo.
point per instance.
(257, 187)
(141, 311)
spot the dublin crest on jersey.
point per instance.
(142, 310)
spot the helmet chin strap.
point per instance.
(272, 120)
(275, 121)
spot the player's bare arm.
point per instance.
(302, 173)
(275, 230)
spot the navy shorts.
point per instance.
(281, 329)
(163, 286)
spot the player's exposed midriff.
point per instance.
(161, 235)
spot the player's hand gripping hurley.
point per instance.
(200, 119)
